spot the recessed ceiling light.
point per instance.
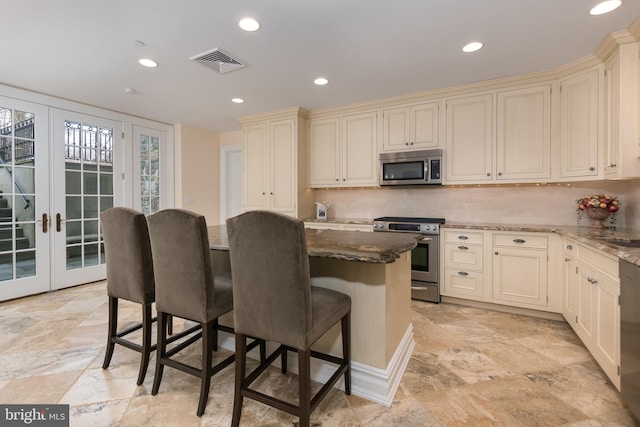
(148, 62)
(605, 7)
(321, 81)
(249, 24)
(130, 90)
(237, 100)
(472, 47)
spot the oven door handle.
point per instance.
(418, 288)
(425, 239)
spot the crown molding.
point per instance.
(274, 115)
(611, 42)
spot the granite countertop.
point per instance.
(599, 238)
(378, 248)
(359, 221)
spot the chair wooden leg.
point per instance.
(283, 360)
(241, 359)
(304, 384)
(161, 351)
(113, 330)
(146, 342)
(170, 324)
(346, 351)
(214, 342)
(209, 331)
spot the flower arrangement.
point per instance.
(598, 206)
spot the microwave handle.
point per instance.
(426, 170)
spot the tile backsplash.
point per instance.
(552, 204)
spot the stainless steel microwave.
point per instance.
(411, 167)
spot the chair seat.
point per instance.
(328, 307)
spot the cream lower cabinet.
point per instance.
(463, 273)
(595, 300)
(569, 279)
(274, 162)
(520, 269)
(343, 151)
(498, 267)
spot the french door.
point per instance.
(88, 178)
(24, 199)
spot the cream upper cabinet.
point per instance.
(274, 164)
(518, 150)
(523, 137)
(621, 103)
(579, 125)
(469, 139)
(410, 127)
(343, 151)
(324, 152)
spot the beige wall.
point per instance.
(524, 204)
(197, 156)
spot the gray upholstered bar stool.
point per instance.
(274, 301)
(186, 287)
(129, 277)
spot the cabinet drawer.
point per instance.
(600, 262)
(463, 236)
(462, 256)
(462, 283)
(520, 240)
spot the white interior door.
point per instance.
(24, 199)
(88, 178)
(152, 188)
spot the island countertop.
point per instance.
(379, 248)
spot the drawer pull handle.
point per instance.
(518, 241)
(463, 237)
(463, 248)
(463, 273)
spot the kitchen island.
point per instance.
(374, 269)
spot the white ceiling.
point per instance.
(368, 49)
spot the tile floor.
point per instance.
(470, 367)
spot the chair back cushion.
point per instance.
(182, 264)
(128, 255)
(270, 271)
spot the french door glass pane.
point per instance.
(89, 190)
(17, 194)
(149, 174)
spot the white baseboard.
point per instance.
(377, 385)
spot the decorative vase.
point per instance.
(599, 214)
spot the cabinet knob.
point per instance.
(263, 193)
(499, 173)
(496, 253)
(271, 193)
(411, 143)
(463, 248)
(613, 165)
(570, 247)
(338, 179)
(488, 173)
(567, 259)
(592, 168)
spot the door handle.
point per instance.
(59, 221)
(45, 220)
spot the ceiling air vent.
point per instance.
(218, 60)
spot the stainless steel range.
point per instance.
(425, 278)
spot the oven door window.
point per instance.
(420, 258)
(403, 171)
